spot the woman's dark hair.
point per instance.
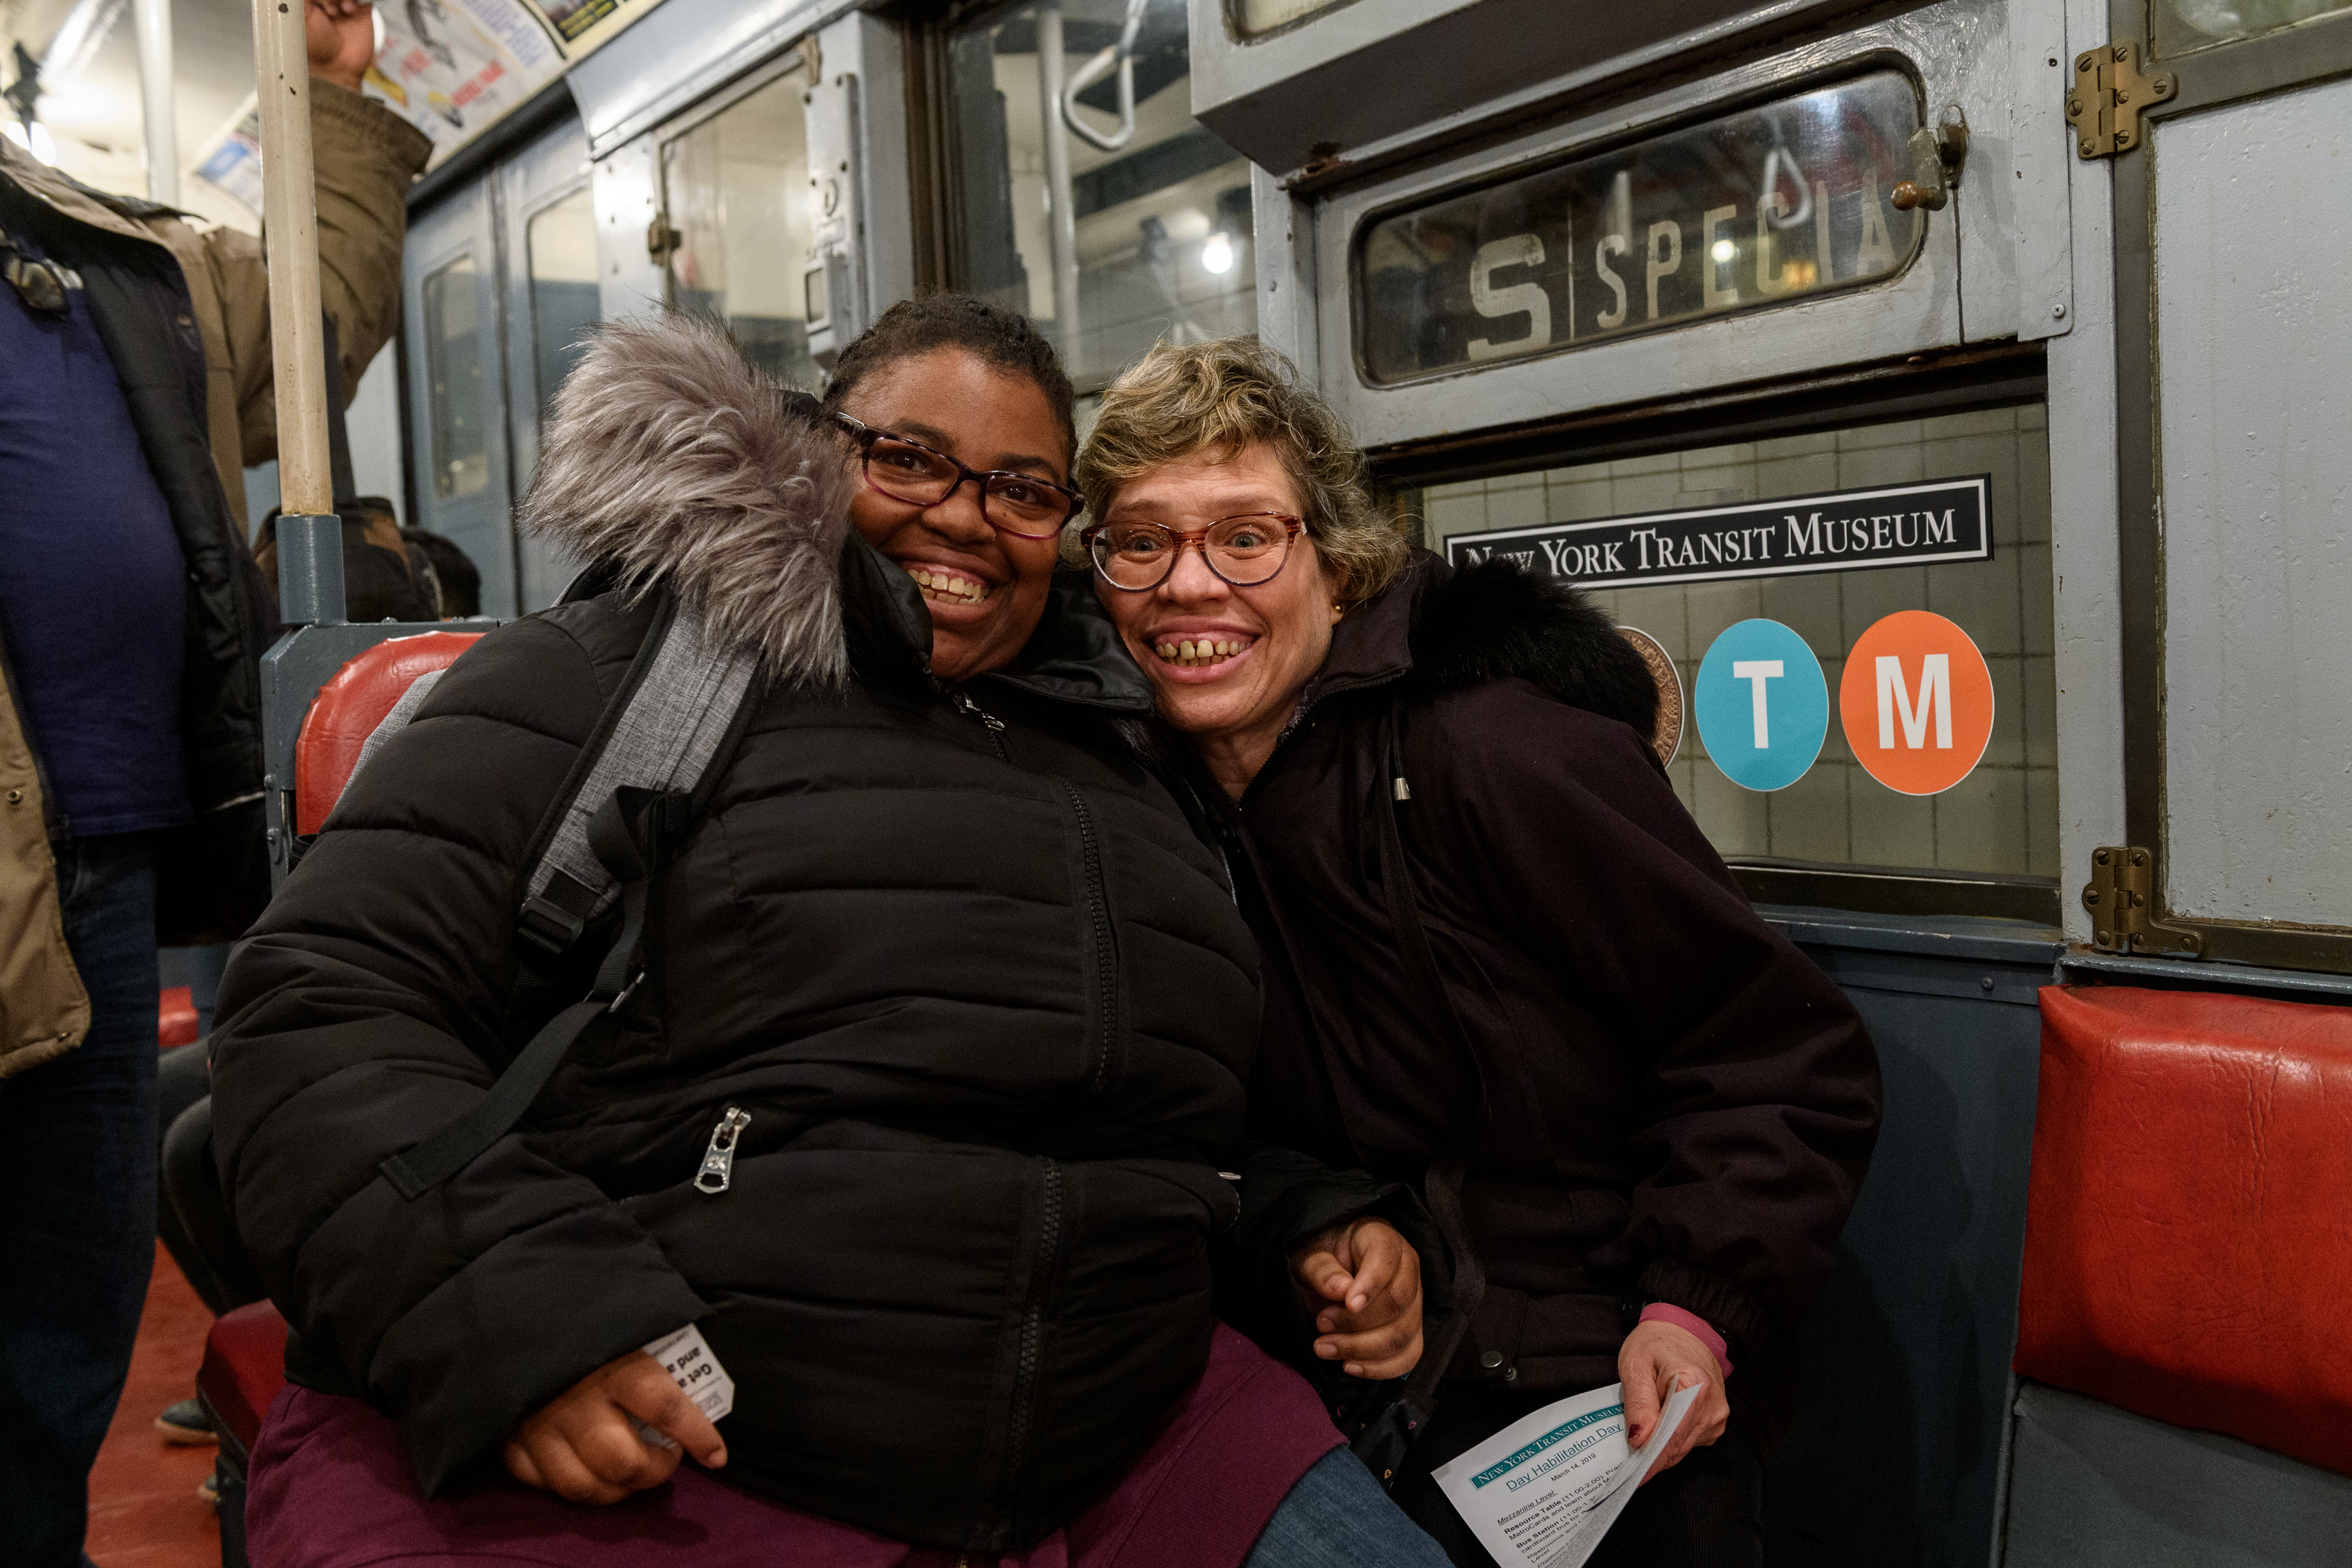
(1004, 340)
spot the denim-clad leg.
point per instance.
(78, 1210)
(1338, 1517)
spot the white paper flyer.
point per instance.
(1542, 1492)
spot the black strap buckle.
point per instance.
(549, 927)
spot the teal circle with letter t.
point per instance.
(1762, 705)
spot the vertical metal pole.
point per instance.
(290, 235)
(155, 97)
(1050, 60)
(309, 536)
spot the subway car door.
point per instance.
(550, 306)
(2233, 337)
(501, 289)
(738, 212)
(460, 460)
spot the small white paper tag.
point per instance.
(686, 1356)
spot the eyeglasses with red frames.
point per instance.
(1022, 505)
(1244, 550)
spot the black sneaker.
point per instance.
(186, 1423)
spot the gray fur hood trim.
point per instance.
(672, 460)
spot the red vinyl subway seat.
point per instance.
(349, 706)
(244, 1368)
(2189, 1229)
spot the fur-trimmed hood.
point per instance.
(1441, 629)
(1495, 620)
(671, 461)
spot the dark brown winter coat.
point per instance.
(1683, 1105)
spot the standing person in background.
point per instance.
(135, 385)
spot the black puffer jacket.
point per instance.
(982, 991)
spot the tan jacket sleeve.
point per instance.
(366, 157)
(44, 1011)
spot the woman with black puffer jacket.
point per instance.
(938, 965)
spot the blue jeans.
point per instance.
(1338, 1517)
(78, 1209)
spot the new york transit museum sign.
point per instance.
(1841, 530)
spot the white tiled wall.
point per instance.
(2004, 818)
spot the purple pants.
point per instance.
(332, 1488)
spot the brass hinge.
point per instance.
(2104, 105)
(2121, 899)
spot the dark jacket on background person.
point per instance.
(184, 318)
(1683, 1105)
(979, 985)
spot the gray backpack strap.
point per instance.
(637, 787)
(394, 722)
(679, 706)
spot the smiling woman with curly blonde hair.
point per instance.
(1502, 965)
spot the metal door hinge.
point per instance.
(2121, 899)
(2109, 92)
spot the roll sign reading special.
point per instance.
(1916, 703)
(1762, 705)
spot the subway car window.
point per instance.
(1765, 207)
(1999, 816)
(735, 188)
(1109, 215)
(1253, 17)
(453, 346)
(2182, 25)
(562, 243)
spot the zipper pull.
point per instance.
(977, 711)
(719, 1160)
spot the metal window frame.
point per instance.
(1994, 266)
(2298, 56)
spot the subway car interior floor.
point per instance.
(145, 1511)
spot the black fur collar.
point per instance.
(1495, 621)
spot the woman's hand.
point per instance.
(584, 1447)
(1372, 1277)
(1656, 1362)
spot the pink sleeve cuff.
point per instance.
(1693, 1324)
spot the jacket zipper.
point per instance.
(995, 725)
(1106, 950)
(717, 1170)
(1033, 1334)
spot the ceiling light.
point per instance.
(1217, 256)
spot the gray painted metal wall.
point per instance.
(1896, 1456)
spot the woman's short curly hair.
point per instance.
(1183, 399)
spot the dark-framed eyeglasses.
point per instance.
(1022, 505)
(1244, 550)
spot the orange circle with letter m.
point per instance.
(1916, 703)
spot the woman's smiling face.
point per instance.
(985, 589)
(1227, 664)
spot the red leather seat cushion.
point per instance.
(244, 1368)
(2188, 1235)
(175, 1015)
(348, 709)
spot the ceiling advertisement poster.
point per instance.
(451, 67)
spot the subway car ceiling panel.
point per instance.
(1295, 82)
(1737, 227)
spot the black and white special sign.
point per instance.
(1841, 530)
